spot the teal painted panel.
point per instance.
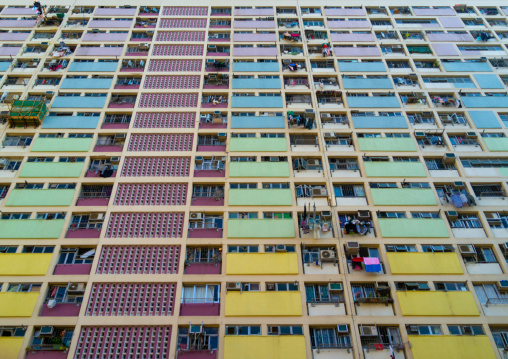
(256, 84)
(413, 228)
(362, 67)
(261, 228)
(373, 102)
(387, 144)
(256, 66)
(394, 169)
(257, 102)
(258, 144)
(4, 66)
(380, 122)
(260, 197)
(488, 81)
(40, 197)
(31, 228)
(93, 66)
(367, 83)
(78, 102)
(258, 122)
(485, 101)
(485, 119)
(467, 66)
(71, 122)
(86, 83)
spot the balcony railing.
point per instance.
(496, 301)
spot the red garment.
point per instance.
(378, 346)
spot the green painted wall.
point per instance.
(258, 144)
(394, 169)
(261, 228)
(403, 197)
(30, 228)
(40, 197)
(259, 169)
(503, 171)
(387, 144)
(51, 170)
(496, 144)
(62, 145)
(260, 197)
(413, 228)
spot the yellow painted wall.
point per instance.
(437, 303)
(24, 263)
(261, 263)
(424, 263)
(17, 304)
(10, 347)
(250, 304)
(264, 347)
(451, 347)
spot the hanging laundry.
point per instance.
(378, 346)
(356, 263)
(457, 202)
(372, 264)
(470, 200)
(463, 198)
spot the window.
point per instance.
(428, 215)
(430, 330)
(207, 339)
(243, 249)
(451, 287)
(391, 215)
(401, 248)
(243, 215)
(489, 294)
(62, 186)
(281, 287)
(319, 293)
(243, 330)
(275, 185)
(251, 287)
(23, 287)
(15, 215)
(201, 293)
(330, 337)
(287, 248)
(382, 185)
(243, 186)
(33, 249)
(8, 249)
(349, 190)
(50, 215)
(438, 248)
(285, 330)
(403, 286)
(76, 256)
(466, 330)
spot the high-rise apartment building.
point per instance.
(254, 180)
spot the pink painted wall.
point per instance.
(203, 268)
(445, 49)
(357, 51)
(83, 233)
(115, 12)
(104, 37)
(255, 37)
(250, 24)
(364, 24)
(206, 201)
(108, 23)
(61, 310)
(99, 51)
(92, 202)
(200, 309)
(210, 173)
(353, 37)
(72, 269)
(205, 233)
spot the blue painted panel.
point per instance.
(256, 66)
(373, 102)
(256, 84)
(380, 122)
(367, 83)
(93, 66)
(485, 101)
(81, 122)
(362, 67)
(467, 67)
(257, 122)
(485, 119)
(78, 102)
(86, 83)
(4, 66)
(256, 101)
(488, 81)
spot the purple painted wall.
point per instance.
(450, 37)
(254, 12)
(445, 49)
(104, 37)
(202, 268)
(9, 36)
(118, 125)
(17, 23)
(115, 12)
(255, 37)
(451, 22)
(255, 51)
(363, 24)
(205, 233)
(72, 269)
(353, 37)
(434, 12)
(92, 202)
(7, 51)
(47, 354)
(83, 233)
(200, 309)
(357, 51)
(211, 148)
(109, 24)
(99, 51)
(18, 11)
(202, 201)
(61, 310)
(345, 12)
(253, 24)
(108, 148)
(210, 173)
(197, 354)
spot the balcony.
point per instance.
(437, 303)
(412, 228)
(431, 263)
(338, 142)
(112, 143)
(344, 167)
(208, 196)
(63, 301)
(329, 99)
(102, 168)
(209, 263)
(214, 101)
(334, 121)
(467, 226)
(216, 81)
(53, 346)
(133, 66)
(258, 169)
(25, 264)
(262, 264)
(489, 194)
(85, 226)
(216, 120)
(305, 143)
(215, 65)
(299, 101)
(148, 23)
(115, 121)
(261, 228)
(129, 83)
(122, 101)
(94, 195)
(372, 299)
(40, 197)
(262, 304)
(211, 143)
(205, 226)
(217, 50)
(209, 167)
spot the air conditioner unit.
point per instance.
(273, 329)
(222, 136)
(196, 215)
(327, 255)
(342, 328)
(471, 135)
(335, 287)
(233, 286)
(96, 217)
(145, 45)
(76, 288)
(452, 214)
(3, 161)
(449, 158)
(502, 285)
(326, 115)
(312, 162)
(274, 159)
(46, 331)
(212, 46)
(280, 248)
(199, 159)
(363, 215)
(368, 331)
(120, 135)
(149, 32)
(196, 329)
(210, 61)
(326, 214)
(467, 249)
(352, 247)
(319, 192)
(458, 184)
(51, 303)
(329, 134)
(309, 111)
(420, 134)
(270, 286)
(382, 287)
(413, 329)
(114, 160)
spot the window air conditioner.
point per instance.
(503, 285)
(335, 287)
(329, 134)
(467, 249)
(458, 184)
(363, 215)
(196, 216)
(270, 286)
(471, 135)
(120, 135)
(221, 136)
(114, 160)
(352, 247)
(319, 192)
(420, 134)
(76, 288)
(452, 214)
(233, 286)
(280, 248)
(196, 329)
(413, 329)
(449, 158)
(312, 162)
(327, 255)
(96, 217)
(326, 214)
(342, 328)
(46, 331)
(199, 159)
(368, 331)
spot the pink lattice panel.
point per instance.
(191, 36)
(156, 167)
(160, 142)
(185, 10)
(178, 82)
(145, 225)
(180, 23)
(157, 100)
(177, 50)
(165, 120)
(151, 194)
(174, 66)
